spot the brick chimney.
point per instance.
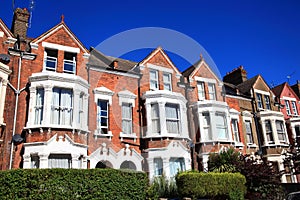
(115, 64)
(236, 76)
(296, 88)
(20, 23)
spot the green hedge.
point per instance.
(72, 184)
(211, 185)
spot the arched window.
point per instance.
(104, 164)
(128, 165)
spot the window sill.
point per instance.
(98, 133)
(239, 144)
(165, 136)
(251, 145)
(130, 136)
(50, 126)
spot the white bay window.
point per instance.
(221, 126)
(155, 118)
(172, 118)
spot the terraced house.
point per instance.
(65, 106)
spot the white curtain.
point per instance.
(206, 127)
(155, 118)
(66, 107)
(39, 106)
(55, 108)
(60, 161)
(127, 118)
(176, 165)
(221, 126)
(158, 167)
(172, 118)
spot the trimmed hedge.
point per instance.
(72, 184)
(211, 185)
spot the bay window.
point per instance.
(62, 106)
(249, 132)
(280, 131)
(269, 132)
(221, 126)
(172, 118)
(39, 106)
(127, 118)
(102, 116)
(60, 161)
(155, 118)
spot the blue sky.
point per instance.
(261, 35)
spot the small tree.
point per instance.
(292, 158)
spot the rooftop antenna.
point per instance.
(31, 8)
(289, 76)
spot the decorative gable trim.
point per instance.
(202, 62)
(6, 30)
(55, 29)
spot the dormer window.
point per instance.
(69, 62)
(50, 59)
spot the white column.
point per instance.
(26, 161)
(212, 126)
(2, 102)
(166, 166)
(75, 161)
(183, 121)
(47, 105)
(43, 161)
(32, 100)
(149, 121)
(162, 117)
(263, 126)
(85, 112)
(84, 162)
(150, 168)
(76, 109)
(205, 162)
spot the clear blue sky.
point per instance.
(261, 35)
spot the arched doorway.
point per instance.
(104, 164)
(128, 165)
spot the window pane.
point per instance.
(201, 91)
(259, 100)
(269, 131)
(158, 167)
(127, 118)
(167, 81)
(206, 127)
(62, 106)
(212, 91)
(60, 161)
(102, 116)
(294, 106)
(172, 118)
(153, 79)
(39, 106)
(155, 118)
(280, 131)
(249, 132)
(176, 165)
(235, 130)
(221, 126)
(287, 106)
(267, 101)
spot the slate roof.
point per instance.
(97, 58)
(247, 85)
(191, 69)
(278, 89)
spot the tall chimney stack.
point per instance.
(20, 23)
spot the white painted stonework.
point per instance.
(174, 150)
(4, 72)
(116, 158)
(56, 145)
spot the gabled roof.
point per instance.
(154, 52)
(97, 58)
(279, 89)
(61, 25)
(192, 70)
(247, 85)
(5, 29)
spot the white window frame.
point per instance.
(222, 127)
(59, 161)
(249, 133)
(201, 90)
(281, 132)
(81, 110)
(50, 59)
(100, 127)
(287, 107)
(155, 118)
(269, 133)
(212, 91)
(39, 106)
(294, 108)
(259, 101)
(172, 119)
(267, 102)
(127, 120)
(206, 126)
(235, 129)
(158, 166)
(167, 79)
(70, 62)
(154, 81)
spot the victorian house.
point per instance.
(271, 130)
(289, 106)
(210, 116)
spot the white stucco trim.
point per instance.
(104, 94)
(4, 72)
(289, 98)
(159, 68)
(126, 97)
(56, 145)
(60, 47)
(174, 150)
(206, 80)
(116, 158)
(262, 92)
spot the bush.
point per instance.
(211, 185)
(72, 184)
(162, 187)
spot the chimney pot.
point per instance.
(115, 64)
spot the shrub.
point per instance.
(211, 185)
(162, 187)
(72, 184)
